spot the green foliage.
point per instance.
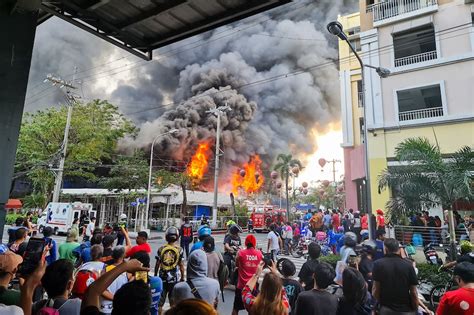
(330, 259)
(285, 162)
(426, 178)
(129, 172)
(34, 201)
(95, 130)
(11, 218)
(430, 273)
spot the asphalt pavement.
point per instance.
(157, 240)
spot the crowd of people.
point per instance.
(101, 275)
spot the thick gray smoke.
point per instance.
(277, 76)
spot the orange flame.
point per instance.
(249, 178)
(199, 162)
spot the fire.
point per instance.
(249, 178)
(199, 162)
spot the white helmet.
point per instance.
(123, 216)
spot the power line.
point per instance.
(381, 50)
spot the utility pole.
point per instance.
(333, 161)
(70, 99)
(218, 111)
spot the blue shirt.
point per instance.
(83, 251)
(156, 286)
(327, 219)
(379, 252)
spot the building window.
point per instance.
(420, 103)
(361, 129)
(353, 31)
(360, 94)
(356, 43)
(414, 46)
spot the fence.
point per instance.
(420, 114)
(426, 56)
(391, 8)
(160, 224)
(423, 235)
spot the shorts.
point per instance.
(238, 303)
(167, 289)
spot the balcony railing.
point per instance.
(360, 98)
(420, 114)
(430, 55)
(391, 8)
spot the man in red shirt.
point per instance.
(142, 245)
(460, 301)
(247, 261)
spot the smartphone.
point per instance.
(32, 256)
(141, 275)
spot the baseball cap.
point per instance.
(9, 261)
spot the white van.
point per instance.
(60, 215)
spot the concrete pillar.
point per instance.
(17, 34)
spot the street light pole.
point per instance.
(335, 28)
(148, 196)
(218, 111)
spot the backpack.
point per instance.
(169, 257)
(222, 275)
(48, 308)
(84, 278)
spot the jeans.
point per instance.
(287, 245)
(274, 254)
(185, 246)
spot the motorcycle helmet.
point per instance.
(350, 239)
(123, 216)
(172, 234)
(369, 247)
(235, 229)
(203, 232)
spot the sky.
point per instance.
(298, 114)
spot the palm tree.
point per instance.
(426, 178)
(285, 163)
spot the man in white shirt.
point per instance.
(89, 230)
(274, 240)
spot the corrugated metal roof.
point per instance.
(140, 26)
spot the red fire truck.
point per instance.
(264, 215)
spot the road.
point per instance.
(158, 240)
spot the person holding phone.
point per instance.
(52, 255)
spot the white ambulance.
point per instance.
(60, 215)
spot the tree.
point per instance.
(95, 130)
(129, 172)
(165, 178)
(425, 178)
(285, 163)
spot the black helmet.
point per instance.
(350, 239)
(235, 229)
(369, 247)
(172, 234)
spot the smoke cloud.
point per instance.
(277, 76)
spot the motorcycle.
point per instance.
(431, 255)
(229, 260)
(300, 249)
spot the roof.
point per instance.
(139, 26)
(194, 198)
(13, 204)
